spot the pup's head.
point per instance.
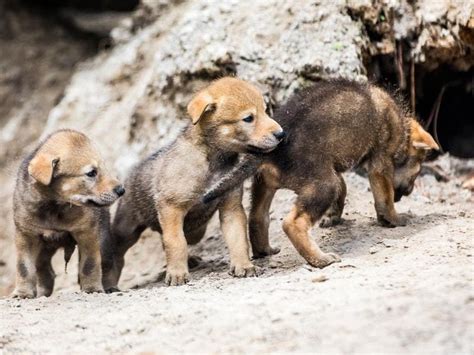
(231, 115)
(68, 167)
(421, 142)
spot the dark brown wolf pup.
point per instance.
(332, 127)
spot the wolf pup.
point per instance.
(332, 127)
(165, 190)
(60, 200)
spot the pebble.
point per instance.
(319, 278)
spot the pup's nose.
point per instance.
(280, 135)
(119, 190)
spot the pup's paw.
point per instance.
(268, 251)
(44, 292)
(325, 260)
(393, 221)
(92, 289)
(330, 221)
(23, 294)
(112, 289)
(243, 271)
(176, 278)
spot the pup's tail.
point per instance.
(68, 250)
(246, 167)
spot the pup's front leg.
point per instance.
(27, 250)
(381, 184)
(234, 227)
(90, 270)
(259, 219)
(171, 220)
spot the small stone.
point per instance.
(347, 266)
(372, 250)
(319, 278)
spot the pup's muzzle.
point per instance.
(103, 200)
(268, 144)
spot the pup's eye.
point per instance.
(248, 118)
(92, 173)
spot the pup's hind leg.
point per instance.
(109, 265)
(45, 272)
(234, 228)
(332, 217)
(192, 238)
(195, 236)
(311, 204)
(124, 235)
(27, 250)
(259, 219)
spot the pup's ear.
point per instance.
(200, 105)
(42, 167)
(420, 138)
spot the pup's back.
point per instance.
(337, 122)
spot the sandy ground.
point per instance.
(407, 289)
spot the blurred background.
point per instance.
(123, 70)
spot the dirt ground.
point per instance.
(408, 289)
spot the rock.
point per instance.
(349, 266)
(319, 278)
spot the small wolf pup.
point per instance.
(331, 127)
(60, 200)
(165, 190)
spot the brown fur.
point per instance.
(55, 205)
(332, 127)
(165, 189)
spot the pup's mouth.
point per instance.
(258, 150)
(94, 201)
